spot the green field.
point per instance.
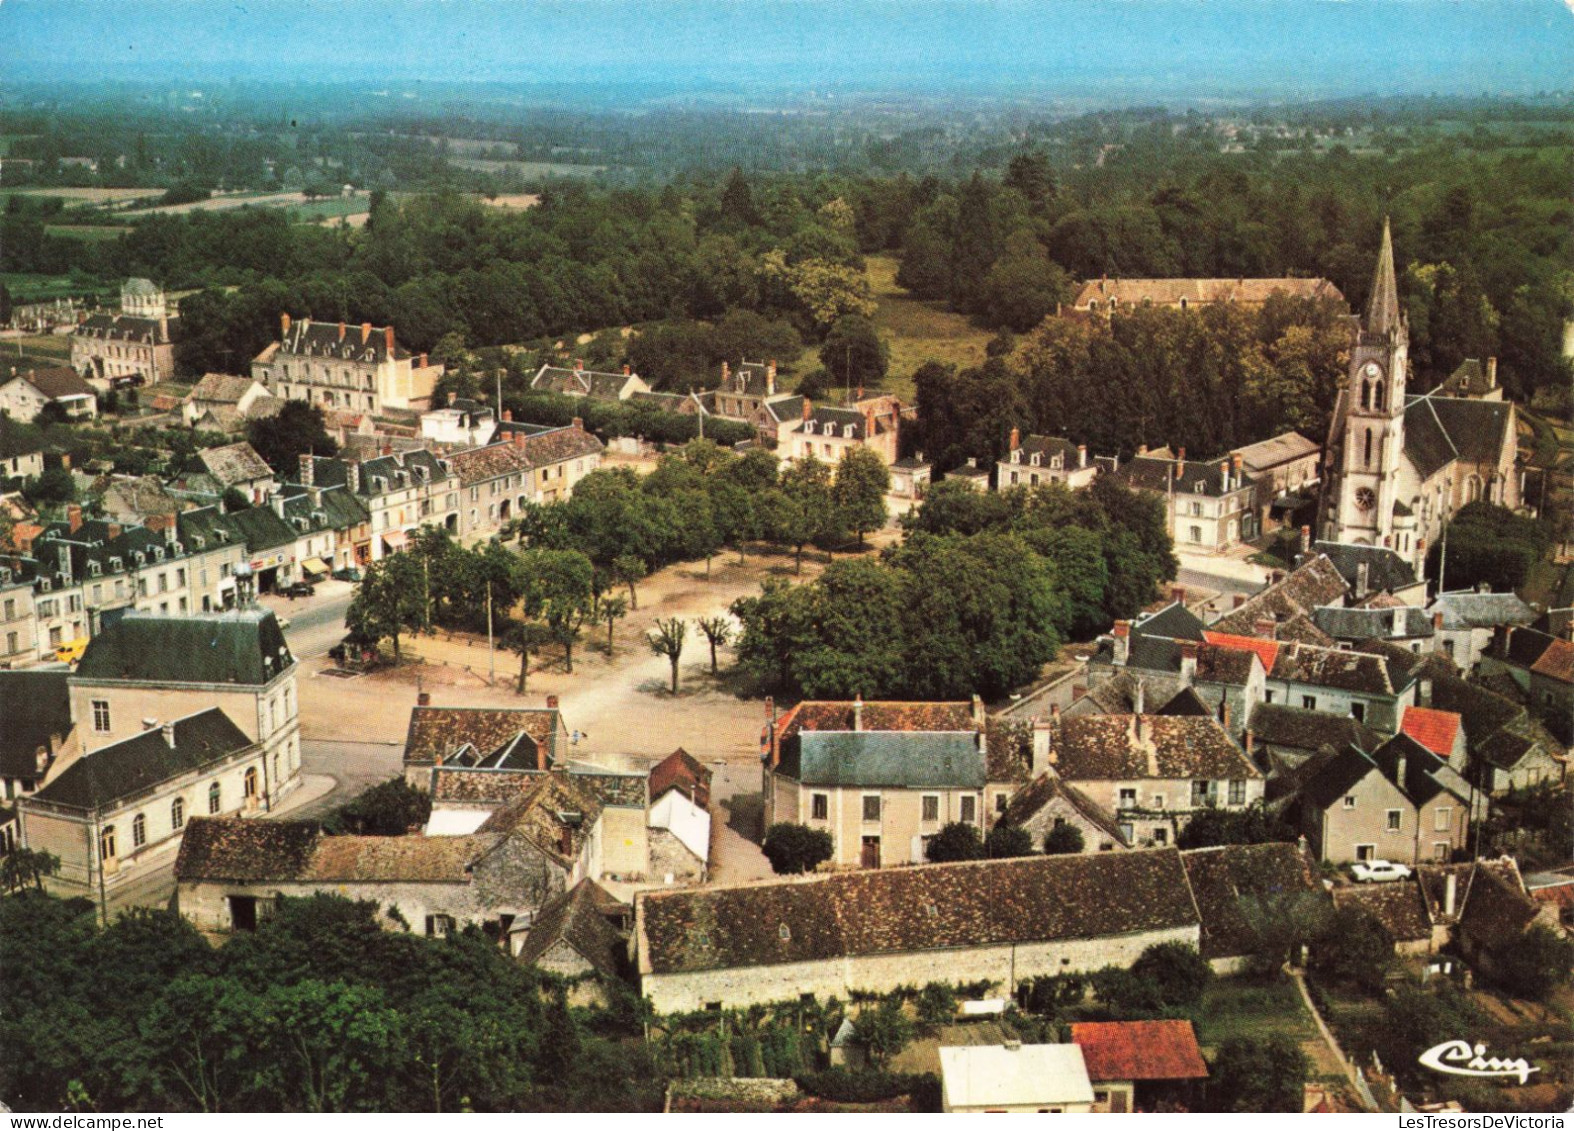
(527, 169)
(40, 288)
(1242, 1007)
(330, 208)
(918, 331)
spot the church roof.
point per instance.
(1382, 308)
(1441, 429)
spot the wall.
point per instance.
(1059, 809)
(670, 857)
(1003, 966)
(901, 818)
(1337, 831)
(206, 903)
(625, 840)
(1383, 712)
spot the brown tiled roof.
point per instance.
(682, 771)
(479, 465)
(1497, 910)
(1400, 907)
(1009, 750)
(222, 388)
(480, 786)
(1281, 725)
(55, 381)
(1436, 730)
(1557, 662)
(1297, 594)
(233, 849)
(1031, 799)
(1334, 668)
(545, 448)
(892, 911)
(1224, 663)
(877, 715)
(1433, 879)
(436, 732)
(235, 463)
(1140, 1050)
(555, 814)
(1237, 885)
(1267, 650)
(1132, 747)
(577, 917)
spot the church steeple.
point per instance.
(1382, 308)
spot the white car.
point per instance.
(1378, 871)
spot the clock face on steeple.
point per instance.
(1371, 370)
(1365, 498)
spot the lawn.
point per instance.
(1246, 1007)
(75, 197)
(330, 208)
(918, 331)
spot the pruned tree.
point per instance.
(525, 639)
(718, 631)
(608, 611)
(1064, 839)
(666, 639)
(792, 849)
(629, 569)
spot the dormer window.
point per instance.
(847, 431)
(808, 427)
(116, 564)
(1016, 456)
(138, 557)
(94, 569)
(158, 553)
(1035, 459)
(198, 541)
(44, 584)
(1200, 487)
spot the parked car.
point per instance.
(71, 651)
(348, 573)
(1378, 871)
(299, 589)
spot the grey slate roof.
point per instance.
(240, 646)
(132, 766)
(915, 760)
(1384, 568)
(1280, 725)
(1153, 473)
(1174, 621)
(578, 918)
(1467, 608)
(35, 710)
(1366, 624)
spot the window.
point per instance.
(1366, 852)
(1199, 793)
(1442, 820)
(1128, 798)
(1237, 793)
(1394, 817)
(1128, 833)
(1440, 852)
(931, 807)
(1158, 801)
(101, 716)
(819, 806)
(1358, 712)
(1196, 510)
(106, 843)
(872, 807)
(213, 798)
(139, 831)
(1349, 801)
(249, 782)
(969, 810)
(1001, 801)
(1161, 837)
(1196, 534)
(177, 814)
(439, 926)
(1309, 702)
(1267, 696)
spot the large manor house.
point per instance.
(1397, 466)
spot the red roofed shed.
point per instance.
(1134, 1064)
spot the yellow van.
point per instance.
(71, 651)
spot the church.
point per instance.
(1397, 466)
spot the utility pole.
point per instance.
(491, 652)
(1442, 559)
(426, 573)
(497, 409)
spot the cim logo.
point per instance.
(1461, 1058)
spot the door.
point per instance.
(243, 912)
(870, 856)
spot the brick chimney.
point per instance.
(578, 422)
(1362, 576)
(1224, 713)
(508, 416)
(579, 365)
(423, 362)
(423, 699)
(552, 702)
(1122, 649)
(726, 374)
(1016, 440)
(770, 378)
(366, 332)
(308, 466)
(1265, 628)
(115, 530)
(1437, 621)
(74, 517)
(980, 717)
(1178, 595)
(284, 325)
(628, 371)
(1306, 539)
(341, 331)
(808, 408)
(169, 735)
(1237, 600)
(1043, 750)
(1491, 372)
(352, 475)
(1188, 667)
(1082, 455)
(388, 336)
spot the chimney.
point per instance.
(770, 378)
(1306, 539)
(276, 501)
(518, 438)
(860, 395)
(1078, 690)
(1142, 449)
(551, 702)
(389, 338)
(423, 362)
(41, 759)
(169, 735)
(579, 365)
(423, 699)
(1251, 741)
(1437, 621)
(352, 475)
(1122, 648)
(858, 713)
(508, 416)
(341, 331)
(1224, 713)
(627, 371)
(1237, 600)
(1362, 575)
(1491, 372)
(115, 530)
(1266, 628)
(366, 332)
(1425, 692)
(284, 325)
(1082, 455)
(1140, 702)
(307, 466)
(1043, 745)
(1188, 667)
(726, 374)
(1178, 595)
(808, 408)
(1450, 893)
(578, 422)
(1016, 439)
(149, 724)
(74, 517)
(1399, 768)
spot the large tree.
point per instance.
(862, 480)
(296, 429)
(389, 602)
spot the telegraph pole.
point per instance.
(491, 652)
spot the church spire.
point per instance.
(1382, 308)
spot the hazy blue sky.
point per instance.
(1171, 46)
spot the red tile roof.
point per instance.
(1140, 1050)
(1434, 729)
(1267, 650)
(1557, 662)
(682, 771)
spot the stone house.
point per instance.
(224, 400)
(350, 368)
(514, 738)
(535, 847)
(238, 467)
(461, 423)
(1401, 909)
(145, 668)
(1471, 619)
(36, 729)
(559, 458)
(119, 811)
(401, 491)
(1133, 1065)
(26, 393)
(18, 621)
(1042, 460)
(1370, 571)
(826, 432)
(582, 382)
(1151, 771)
(1282, 737)
(1399, 803)
(495, 482)
(1208, 503)
(683, 772)
(1369, 687)
(1284, 468)
(910, 477)
(1542, 665)
(980, 1079)
(1441, 732)
(19, 458)
(1048, 802)
(1001, 921)
(109, 349)
(582, 936)
(1238, 888)
(1283, 610)
(879, 777)
(1405, 625)
(680, 833)
(1484, 907)
(1508, 748)
(744, 392)
(1473, 381)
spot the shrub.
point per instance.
(1177, 970)
(936, 1004)
(1063, 840)
(1007, 840)
(792, 849)
(957, 841)
(846, 1086)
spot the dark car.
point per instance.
(349, 573)
(299, 589)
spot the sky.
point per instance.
(1165, 47)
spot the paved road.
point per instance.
(316, 623)
(354, 767)
(1218, 583)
